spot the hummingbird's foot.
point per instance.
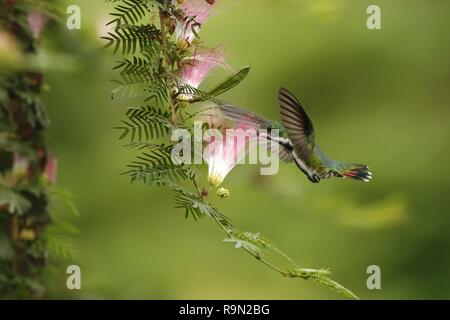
(314, 178)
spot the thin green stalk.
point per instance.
(229, 234)
(317, 276)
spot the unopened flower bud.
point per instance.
(223, 193)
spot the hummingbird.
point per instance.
(296, 140)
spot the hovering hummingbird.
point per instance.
(296, 140)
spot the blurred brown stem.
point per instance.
(200, 193)
(14, 238)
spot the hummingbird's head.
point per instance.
(269, 126)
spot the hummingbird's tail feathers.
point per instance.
(356, 171)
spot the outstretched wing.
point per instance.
(297, 123)
(284, 153)
(241, 116)
(251, 119)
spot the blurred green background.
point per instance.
(377, 97)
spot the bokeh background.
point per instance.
(377, 97)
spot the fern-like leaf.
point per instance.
(130, 11)
(155, 166)
(146, 123)
(61, 246)
(132, 38)
(195, 206)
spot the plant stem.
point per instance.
(14, 237)
(169, 81)
(256, 256)
(229, 234)
(194, 181)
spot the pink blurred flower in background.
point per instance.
(197, 11)
(36, 21)
(50, 170)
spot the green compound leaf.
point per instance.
(196, 95)
(231, 82)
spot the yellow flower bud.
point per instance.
(223, 193)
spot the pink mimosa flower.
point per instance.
(213, 117)
(222, 155)
(51, 169)
(202, 63)
(197, 11)
(36, 21)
